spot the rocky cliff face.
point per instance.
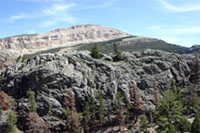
(61, 38)
(7, 58)
(50, 76)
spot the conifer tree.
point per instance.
(31, 97)
(135, 96)
(196, 124)
(96, 52)
(170, 112)
(93, 107)
(196, 72)
(86, 116)
(101, 105)
(74, 118)
(144, 123)
(117, 53)
(12, 120)
(156, 92)
(172, 129)
(121, 110)
(176, 90)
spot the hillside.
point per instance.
(61, 38)
(135, 43)
(126, 44)
(54, 79)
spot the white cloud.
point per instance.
(57, 9)
(174, 8)
(17, 17)
(58, 13)
(56, 21)
(48, 16)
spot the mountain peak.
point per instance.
(65, 37)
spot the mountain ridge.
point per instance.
(61, 37)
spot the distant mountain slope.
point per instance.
(61, 38)
(126, 44)
(193, 49)
(135, 43)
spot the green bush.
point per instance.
(23, 59)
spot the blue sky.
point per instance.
(175, 21)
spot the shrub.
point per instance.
(35, 124)
(4, 101)
(23, 58)
(1, 81)
(73, 122)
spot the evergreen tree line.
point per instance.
(96, 53)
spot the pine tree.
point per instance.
(101, 108)
(74, 118)
(89, 112)
(31, 97)
(121, 110)
(96, 52)
(117, 53)
(144, 123)
(196, 124)
(93, 108)
(156, 92)
(12, 120)
(170, 112)
(86, 116)
(196, 72)
(176, 90)
(135, 96)
(172, 129)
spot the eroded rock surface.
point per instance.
(50, 76)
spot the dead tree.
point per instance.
(121, 117)
(156, 92)
(136, 97)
